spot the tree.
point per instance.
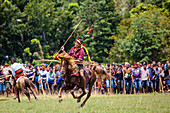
(144, 36)
(103, 16)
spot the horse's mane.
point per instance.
(73, 66)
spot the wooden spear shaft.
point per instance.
(67, 39)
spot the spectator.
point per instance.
(145, 78)
(59, 81)
(43, 74)
(119, 76)
(128, 78)
(36, 77)
(8, 76)
(152, 80)
(136, 74)
(51, 78)
(2, 82)
(157, 72)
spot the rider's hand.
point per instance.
(62, 48)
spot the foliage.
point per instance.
(144, 36)
(105, 19)
(35, 29)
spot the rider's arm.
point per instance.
(62, 48)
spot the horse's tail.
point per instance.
(100, 71)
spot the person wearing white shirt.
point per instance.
(145, 78)
(17, 71)
(44, 78)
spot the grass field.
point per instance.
(156, 103)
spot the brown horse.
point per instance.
(22, 85)
(73, 80)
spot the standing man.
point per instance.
(78, 53)
(51, 78)
(43, 74)
(119, 74)
(128, 78)
(145, 78)
(17, 71)
(157, 72)
(136, 74)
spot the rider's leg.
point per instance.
(84, 81)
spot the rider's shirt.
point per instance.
(15, 67)
(78, 55)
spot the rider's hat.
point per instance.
(80, 41)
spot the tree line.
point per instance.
(123, 30)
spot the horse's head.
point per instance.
(67, 64)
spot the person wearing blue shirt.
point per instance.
(51, 79)
(59, 81)
(157, 72)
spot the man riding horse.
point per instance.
(17, 71)
(21, 83)
(78, 53)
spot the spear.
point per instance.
(67, 40)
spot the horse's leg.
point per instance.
(17, 92)
(27, 94)
(60, 91)
(33, 93)
(89, 93)
(72, 92)
(79, 98)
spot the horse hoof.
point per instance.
(36, 99)
(78, 101)
(60, 100)
(81, 105)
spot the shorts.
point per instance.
(50, 80)
(120, 84)
(2, 87)
(108, 83)
(152, 84)
(7, 85)
(145, 83)
(137, 82)
(128, 83)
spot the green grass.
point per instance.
(155, 103)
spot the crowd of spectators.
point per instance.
(136, 78)
(127, 79)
